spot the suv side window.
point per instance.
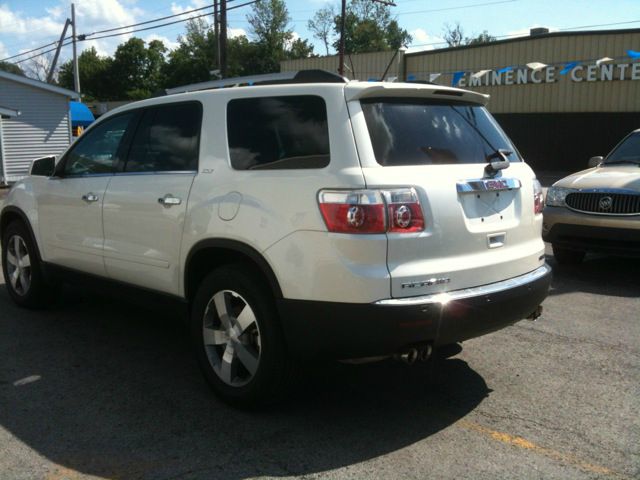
(278, 133)
(98, 151)
(167, 139)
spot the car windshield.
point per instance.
(417, 131)
(626, 152)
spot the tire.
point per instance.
(565, 256)
(242, 354)
(22, 268)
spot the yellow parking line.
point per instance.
(547, 452)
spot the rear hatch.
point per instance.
(480, 224)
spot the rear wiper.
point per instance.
(497, 161)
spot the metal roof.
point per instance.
(8, 112)
(38, 84)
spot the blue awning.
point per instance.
(80, 114)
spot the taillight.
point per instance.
(538, 197)
(371, 211)
(405, 213)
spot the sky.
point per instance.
(27, 24)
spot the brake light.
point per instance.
(538, 197)
(405, 213)
(371, 211)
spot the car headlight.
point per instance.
(557, 195)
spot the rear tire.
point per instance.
(238, 339)
(22, 268)
(566, 256)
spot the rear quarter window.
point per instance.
(276, 133)
(415, 131)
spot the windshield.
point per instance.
(627, 151)
(415, 131)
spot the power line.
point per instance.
(83, 37)
(32, 50)
(486, 4)
(40, 54)
(148, 21)
(111, 30)
(524, 35)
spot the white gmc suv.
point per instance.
(293, 215)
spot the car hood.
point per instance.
(615, 176)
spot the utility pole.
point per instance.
(216, 32)
(76, 72)
(57, 54)
(223, 38)
(341, 47)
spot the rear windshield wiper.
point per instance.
(497, 161)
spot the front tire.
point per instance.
(22, 268)
(238, 339)
(566, 256)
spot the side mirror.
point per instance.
(43, 167)
(595, 161)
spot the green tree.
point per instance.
(11, 68)
(484, 37)
(322, 26)
(193, 60)
(136, 71)
(299, 48)
(453, 35)
(269, 22)
(369, 27)
(94, 70)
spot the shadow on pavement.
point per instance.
(597, 274)
(119, 395)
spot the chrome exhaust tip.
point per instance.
(535, 314)
(409, 357)
(425, 353)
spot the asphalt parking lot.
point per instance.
(97, 388)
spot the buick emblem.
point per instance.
(605, 203)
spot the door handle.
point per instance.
(169, 200)
(90, 197)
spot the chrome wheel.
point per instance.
(18, 265)
(231, 338)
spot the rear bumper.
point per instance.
(346, 330)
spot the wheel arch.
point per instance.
(208, 254)
(10, 214)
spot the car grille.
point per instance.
(605, 203)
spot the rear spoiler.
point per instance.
(360, 90)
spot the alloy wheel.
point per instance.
(18, 265)
(231, 338)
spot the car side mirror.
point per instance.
(595, 161)
(43, 167)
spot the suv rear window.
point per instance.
(416, 131)
(278, 133)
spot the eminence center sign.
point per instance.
(551, 74)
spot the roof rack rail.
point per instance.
(302, 76)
